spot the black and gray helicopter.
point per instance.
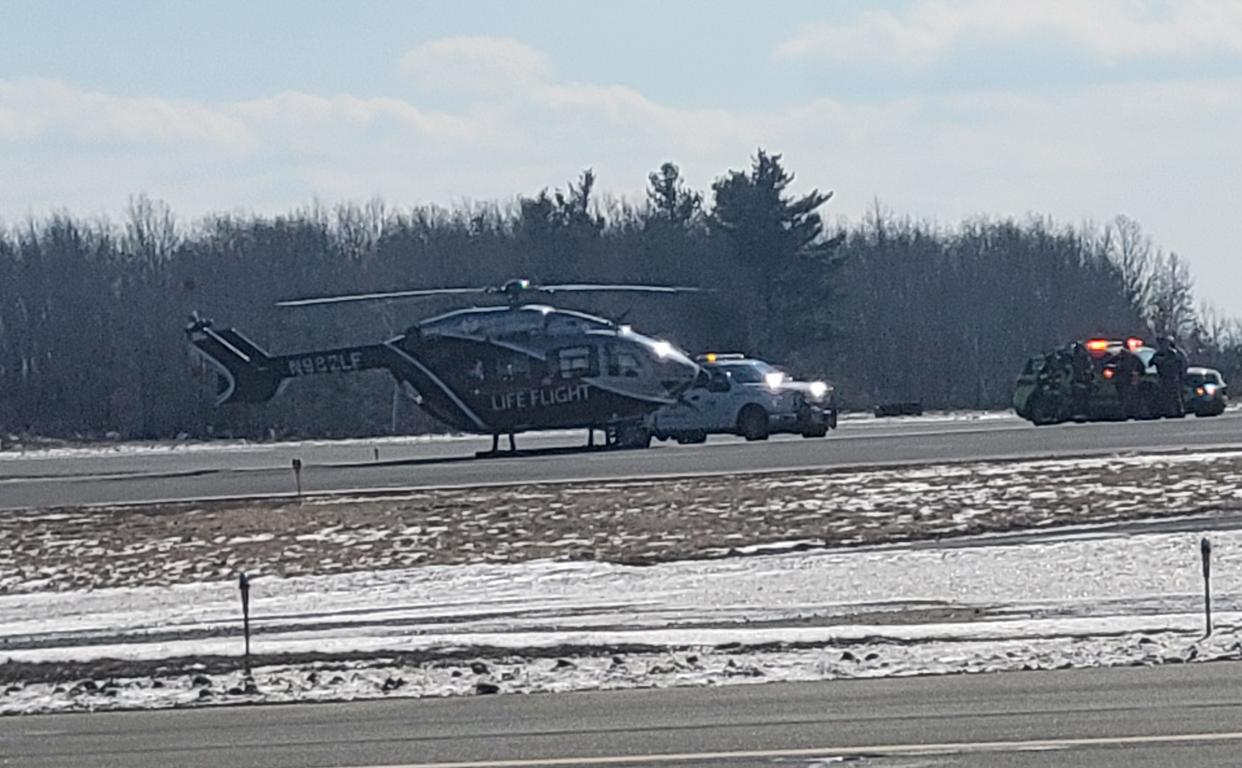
(486, 369)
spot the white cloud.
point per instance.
(1108, 29)
(1165, 153)
(476, 64)
(310, 121)
(32, 107)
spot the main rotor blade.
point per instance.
(604, 287)
(381, 296)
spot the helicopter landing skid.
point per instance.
(613, 440)
(532, 452)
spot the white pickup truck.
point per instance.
(748, 397)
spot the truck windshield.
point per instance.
(751, 372)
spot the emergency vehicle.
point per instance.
(744, 396)
(1118, 383)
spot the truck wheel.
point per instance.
(817, 431)
(689, 438)
(752, 423)
(633, 436)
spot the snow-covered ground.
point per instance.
(637, 522)
(697, 581)
(1072, 598)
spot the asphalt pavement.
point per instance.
(200, 472)
(1141, 716)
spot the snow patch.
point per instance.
(1106, 600)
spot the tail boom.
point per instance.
(247, 374)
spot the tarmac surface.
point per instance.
(199, 471)
(1138, 716)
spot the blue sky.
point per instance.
(939, 109)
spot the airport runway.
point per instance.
(1162, 716)
(199, 472)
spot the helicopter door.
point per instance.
(513, 369)
(474, 375)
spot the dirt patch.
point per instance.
(623, 522)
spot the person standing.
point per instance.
(1081, 379)
(1171, 365)
(1129, 374)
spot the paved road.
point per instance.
(126, 476)
(1184, 715)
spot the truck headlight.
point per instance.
(818, 389)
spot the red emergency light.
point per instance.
(1109, 373)
(1097, 345)
(1134, 343)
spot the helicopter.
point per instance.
(491, 370)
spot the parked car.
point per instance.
(1207, 394)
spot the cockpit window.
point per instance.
(622, 362)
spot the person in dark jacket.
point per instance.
(1129, 375)
(1081, 379)
(1171, 365)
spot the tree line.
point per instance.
(888, 308)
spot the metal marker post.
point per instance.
(1205, 548)
(297, 475)
(244, 583)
